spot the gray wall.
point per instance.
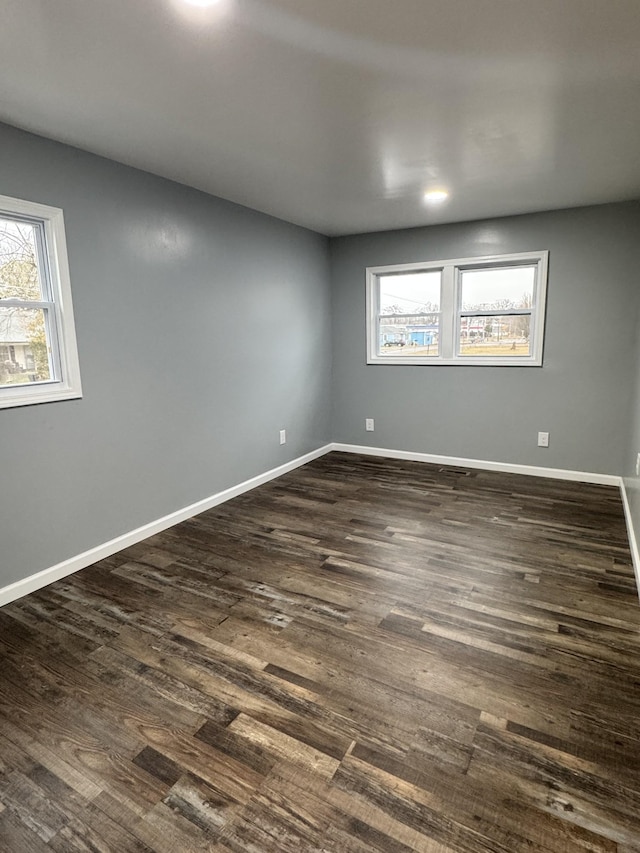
(203, 328)
(632, 445)
(582, 393)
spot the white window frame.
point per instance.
(451, 312)
(64, 383)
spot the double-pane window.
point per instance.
(484, 311)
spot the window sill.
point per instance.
(469, 361)
(12, 398)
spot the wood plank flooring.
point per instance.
(364, 655)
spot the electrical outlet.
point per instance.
(543, 439)
(283, 436)
(368, 424)
(638, 465)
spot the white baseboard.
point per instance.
(461, 462)
(87, 558)
(633, 542)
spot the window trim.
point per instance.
(451, 313)
(56, 284)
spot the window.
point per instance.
(38, 354)
(477, 311)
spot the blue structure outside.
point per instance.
(422, 335)
(421, 338)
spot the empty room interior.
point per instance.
(320, 426)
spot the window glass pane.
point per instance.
(19, 275)
(24, 353)
(410, 335)
(411, 293)
(497, 289)
(491, 337)
(409, 314)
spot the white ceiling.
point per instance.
(338, 114)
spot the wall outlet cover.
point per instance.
(543, 439)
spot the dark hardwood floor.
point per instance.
(364, 655)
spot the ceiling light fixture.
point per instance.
(435, 196)
(202, 3)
